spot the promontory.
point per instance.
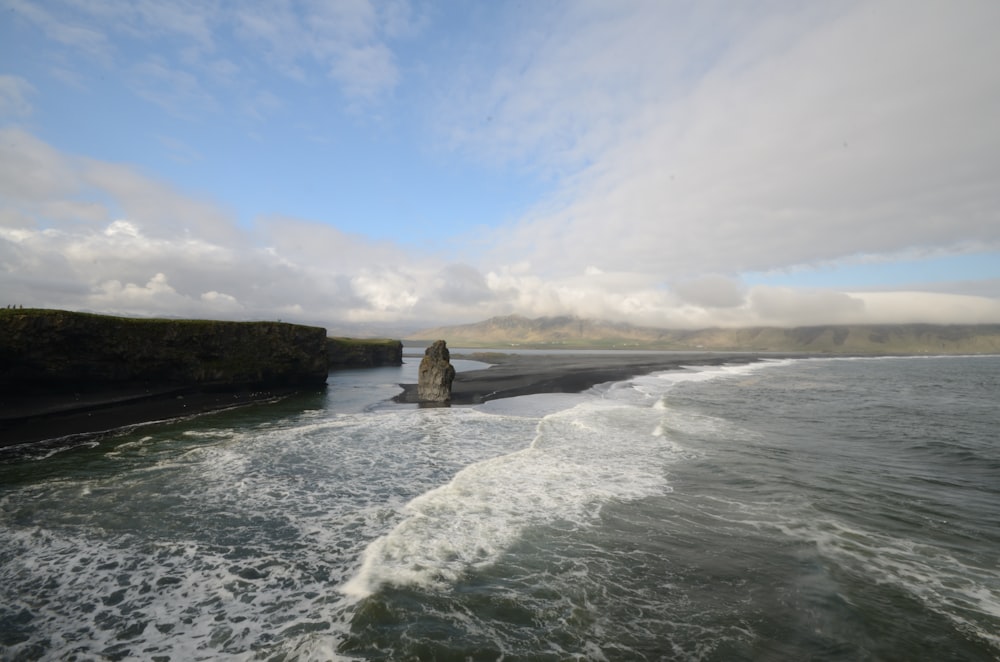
(75, 367)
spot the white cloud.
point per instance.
(168, 254)
(64, 29)
(220, 300)
(365, 71)
(121, 227)
(711, 291)
(390, 294)
(14, 93)
(300, 270)
(930, 307)
(31, 171)
(155, 296)
(298, 241)
(179, 151)
(171, 55)
(192, 20)
(399, 18)
(347, 40)
(772, 305)
(154, 206)
(794, 136)
(178, 91)
(464, 286)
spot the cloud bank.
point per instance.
(808, 139)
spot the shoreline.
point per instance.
(36, 419)
(513, 375)
(26, 420)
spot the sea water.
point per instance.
(824, 509)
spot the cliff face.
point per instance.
(58, 351)
(356, 353)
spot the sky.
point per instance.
(388, 166)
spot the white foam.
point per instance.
(580, 459)
(582, 456)
(953, 588)
(533, 406)
(196, 511)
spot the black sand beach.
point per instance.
(35, 418)
(528, 374)
(29, 419)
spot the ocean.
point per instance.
(805, 509)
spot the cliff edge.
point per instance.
(55, 351)
(64, 373)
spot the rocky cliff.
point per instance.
(363, 353)
(53, 351)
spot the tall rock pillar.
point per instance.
(436, 374)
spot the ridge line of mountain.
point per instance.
(580, 333)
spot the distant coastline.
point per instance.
(568, 332)
(64, 374)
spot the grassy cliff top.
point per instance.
(55, 315)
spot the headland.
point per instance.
(67, 373)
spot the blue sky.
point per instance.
(376, 166)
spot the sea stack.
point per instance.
(436, 374)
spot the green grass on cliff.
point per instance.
(56, 314)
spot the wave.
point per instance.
(611, 446)
(965, 593)
(580, 459)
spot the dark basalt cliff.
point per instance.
(53, 351)
(363, 353)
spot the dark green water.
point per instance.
(815, 509)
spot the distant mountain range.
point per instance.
(574, 332)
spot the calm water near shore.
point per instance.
(825, 509)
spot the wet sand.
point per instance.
(34, 418)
